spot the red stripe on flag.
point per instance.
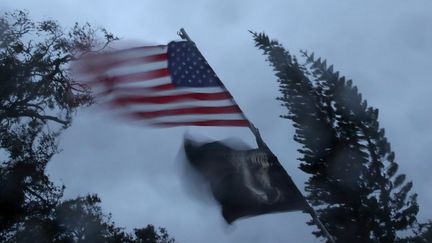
(191, 110)
(133, 49)
(171, 98)
(132, 89)
(144, 76)
(139, 48)
(237, 123)
(161, 87)
(114, 54)
(101, 67)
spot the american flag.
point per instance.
(164, 85)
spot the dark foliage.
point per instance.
(77, 220)
(37, 100)
(82, 220)
(353, 176)
(150, 235)
(423, 234)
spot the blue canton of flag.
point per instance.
(188, 67)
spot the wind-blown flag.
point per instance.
(164, 85)
(245, 182)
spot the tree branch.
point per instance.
(34, 114)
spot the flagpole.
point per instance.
(182, 33)
(309, 209)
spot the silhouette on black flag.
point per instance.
(245, 182)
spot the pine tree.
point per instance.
(422, 234)
(353, 179)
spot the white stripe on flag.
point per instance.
(176, 105)
(135, 68)
(136, 53)
(192, 118)
(134, 90)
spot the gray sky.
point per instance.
(384, 46)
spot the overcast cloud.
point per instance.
(384, 46)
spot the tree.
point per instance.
(37, 99)
(353, 175)
(75, 220)
(150, 235)
(422, 234)
(82, 220)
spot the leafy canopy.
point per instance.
(38, 97)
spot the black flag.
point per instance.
(245, 182)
